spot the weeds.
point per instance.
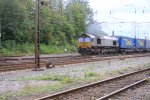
(67, 80)
(51, 77)
(90, 74)
(6, 96)
(30, 90)
(147, 65)
(125, 68)
(112, 72)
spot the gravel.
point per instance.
(51, 55)
(99, 90)
(10, 81)
(138, 93)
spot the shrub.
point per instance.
(90, 74)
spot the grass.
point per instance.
(147, 65)
(112, 72)
(30, 90)
(149, 79)
(6, 95)
(115, 72)
(90, 74)
(51, 77)
(12, 49)
(125, 68)
(49, 88)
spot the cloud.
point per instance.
(122, 11)
(113, 4)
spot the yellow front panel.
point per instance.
(84, 44)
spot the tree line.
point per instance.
(61, 21)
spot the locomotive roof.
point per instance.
(92, 36)
(109, 38)
(102, 37)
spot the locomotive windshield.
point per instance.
(81, 40)
(86, 39)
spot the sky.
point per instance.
(125, 17)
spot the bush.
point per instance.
(90, 74)
(10, 48)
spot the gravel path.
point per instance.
(10, 81)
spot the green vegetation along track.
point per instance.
(101, 90)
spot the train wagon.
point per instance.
(94, 44)
(147, 45)
(139, 44)
(126, 44)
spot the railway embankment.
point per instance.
(29, 85)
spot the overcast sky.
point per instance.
(127, 11)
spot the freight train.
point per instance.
(93, 44)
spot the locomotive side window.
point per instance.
(81, 39)
(98, 41)
(114, 43)
(87, 40)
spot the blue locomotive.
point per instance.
(94, 44)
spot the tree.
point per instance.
(61, 22)
(79, 13)
(16, 20)
(46, 25)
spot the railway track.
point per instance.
(111, 95)
(16, 63)
(102, 90)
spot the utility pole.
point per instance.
(0, 35)
(0, 27)
(37, 36)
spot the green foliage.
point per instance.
(67, 80)
(30, 90)
(61, 23)
(11, 48)
(6, 96)
(45, 77)
(13, 19)
(61, 78)
(48, 49)
(90, 74)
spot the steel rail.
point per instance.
(57, 61)
(68, 56)
(122, 89)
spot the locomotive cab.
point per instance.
(84, 44)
